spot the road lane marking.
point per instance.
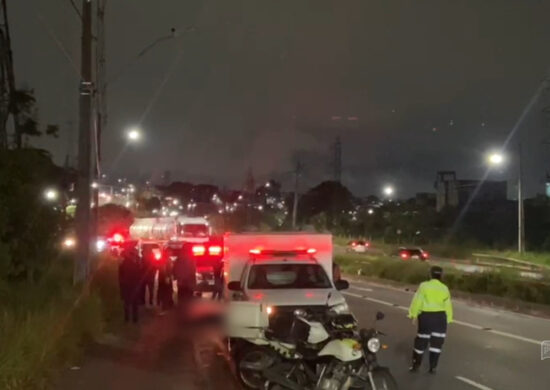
(353, 295)
(362, 288)
(458, 322)
(472, 383)
(513, 336)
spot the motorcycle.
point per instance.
(321, 352)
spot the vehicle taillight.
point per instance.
(198, 250)
(311, 251)
(157, 254)
(118, 238)
(426, 255)
(367, 244)
(404, 255)
(353, 243)
(255, 251)
(215, 250)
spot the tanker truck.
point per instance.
(172, 233)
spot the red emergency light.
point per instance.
(297, 251)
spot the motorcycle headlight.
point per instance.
(373, 345)
(341, 308)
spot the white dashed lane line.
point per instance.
(472, 383)
(458, 322)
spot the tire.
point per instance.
(383, 380)
(253, 355)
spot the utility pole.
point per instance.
(297, 172)
(84, 148)
(9, 74)
(101, 108)
(521, 213)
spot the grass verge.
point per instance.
(45, 325)
(501, 284)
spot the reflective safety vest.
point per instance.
(432, 296)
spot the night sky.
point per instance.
(433, 84)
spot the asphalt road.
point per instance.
(485, 349)
(166, 352)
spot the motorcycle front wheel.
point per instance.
(250, 363)
(383, 380)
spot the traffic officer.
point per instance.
(433, 309)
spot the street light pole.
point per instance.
(521, 213)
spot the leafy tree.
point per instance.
(30, 227)
(329, 197)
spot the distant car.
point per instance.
(358, 246)
(412, 253)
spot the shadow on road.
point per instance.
(172, 351)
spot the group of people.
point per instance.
(138, 271)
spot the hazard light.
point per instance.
(198, 250)
(215, 250)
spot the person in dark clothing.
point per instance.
(129, 278)
(165, 291)
(218, 281)
(150, 259)
(184, 272)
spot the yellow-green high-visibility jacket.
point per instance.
(432, 296)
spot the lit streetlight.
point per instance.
(51, 194)
(388, 190)
(497, 159)
(134, 135)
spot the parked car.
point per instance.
(358, 246)
(412, 253)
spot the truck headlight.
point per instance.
(373, 345)
(341, 308)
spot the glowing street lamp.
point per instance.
(134, 135)
(495, 159)
(388, 190)
(51, 194)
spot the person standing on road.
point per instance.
(433, 309)
(150, 267)
(185, 274)
(129, 279)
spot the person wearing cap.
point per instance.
(431, 306)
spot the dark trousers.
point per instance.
(184, 293)
(432, 330)
(150, 285)
(131, 310)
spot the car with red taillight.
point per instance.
(412, 254)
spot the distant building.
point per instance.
(425, 199)
(451, 192)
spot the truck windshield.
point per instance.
(285, 276)
(194, 230)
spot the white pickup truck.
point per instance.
(283, 271)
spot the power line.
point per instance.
(76, 9)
